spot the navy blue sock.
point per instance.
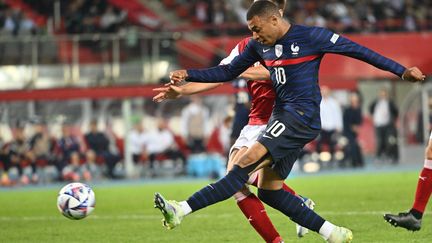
(293, 207)
(220, 190)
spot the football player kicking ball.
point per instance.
(411, 220)
(261, 107)
(292, 54)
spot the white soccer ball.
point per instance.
(76, 200)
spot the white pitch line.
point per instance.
(144, 217)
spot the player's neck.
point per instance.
(285, 27)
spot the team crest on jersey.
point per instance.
(295, 49)
(278, 50)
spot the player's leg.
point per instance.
(424, 185)
(300, 230)
(251, 207)
(270, 191)
(223, 189)
(284, 139)
(412, 220)
(247, 137)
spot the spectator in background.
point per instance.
(111, 20)
(137, 142)
(219, 140)
(41, 151)
(25, 25)
(240, 7)
(4, 159)
(99, 143)
(331, 122)
(161, 142)
(17, 151)
(194, 120)
(75, 171)
(66, 145)
(217, 16)
(90, 162)
(384, 114)
(201, 9)
(352, 120)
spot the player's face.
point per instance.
(264, 29)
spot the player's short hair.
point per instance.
(262, 9)
(280, 3)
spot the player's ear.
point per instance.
(273, 20)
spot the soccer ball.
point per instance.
(76, 200)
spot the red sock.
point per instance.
(285, 187)
(254, 211)
(424, 190)
(288, 189)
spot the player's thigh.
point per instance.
(269, 180)
(235, 156)
(252, 155)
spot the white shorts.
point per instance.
(248, 136)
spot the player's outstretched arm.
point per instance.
(221, 73)
(169, 91)
(256, 73)
(329, 42)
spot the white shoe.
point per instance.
(302, 231)
(171, 211)
(340, 235)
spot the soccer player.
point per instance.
(411, 220)
(263, 96)
(292, 54)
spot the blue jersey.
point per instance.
(293, 63)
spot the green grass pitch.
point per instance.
(125, 213)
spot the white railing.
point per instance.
(85, 59)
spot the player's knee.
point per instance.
(247, 159)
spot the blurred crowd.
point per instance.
(84, 16)
(339, 144)
(340, 15)
(39, 153)
(99, 16)
(33, 155)
(14, 22)
(191, 142)
(79, 16)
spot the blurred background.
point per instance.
(76, 80)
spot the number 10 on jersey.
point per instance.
(280, 75)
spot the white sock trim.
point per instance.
(428, 164)
(326, 229)
(186, 208)
(240, 196)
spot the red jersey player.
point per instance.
(412, 220)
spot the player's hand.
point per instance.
(167, 92)
(413, 74)
(178, 76)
